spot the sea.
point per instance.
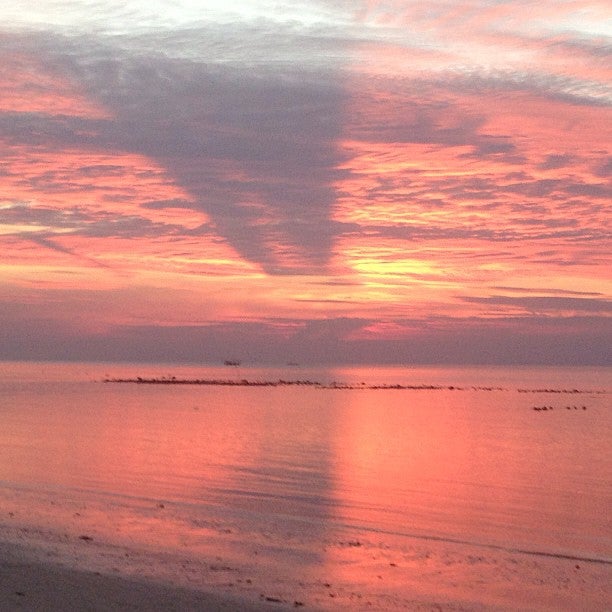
(303, 468)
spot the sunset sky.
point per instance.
(316, 181)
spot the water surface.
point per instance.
(476, 460)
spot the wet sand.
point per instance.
(47, 570)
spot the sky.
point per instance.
(320, 181)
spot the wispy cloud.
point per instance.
(542, 304)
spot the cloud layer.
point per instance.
(381, 174)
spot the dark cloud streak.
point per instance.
(254, 146)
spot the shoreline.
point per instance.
(55, 568)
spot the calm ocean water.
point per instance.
(476, 464)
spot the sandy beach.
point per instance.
(34, 586)
(43, 569)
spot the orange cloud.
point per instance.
(29, 87)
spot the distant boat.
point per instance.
(231, 362)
